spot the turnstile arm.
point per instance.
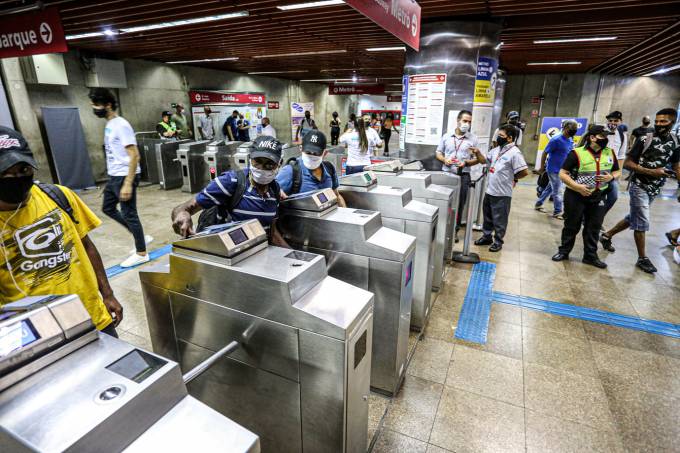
(210, 361)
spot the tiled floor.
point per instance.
(541, 383)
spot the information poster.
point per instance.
(485, 82)
(404, 116)
(425, 109)
(297, 114)
(551, 126)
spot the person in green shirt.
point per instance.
(181, 121)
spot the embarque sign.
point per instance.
(31, 34)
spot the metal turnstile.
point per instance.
(390, 173)
(360, 251)
(301, 376)
(167, 163)
(335, 155)
(146, 143)
(451, 181)
(66, 387)
(287, 152)
(194, 170)
(219, 157)
(400, 212)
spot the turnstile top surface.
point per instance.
(388, 166)
(419, 183)
(314, 201)
(227, 240)
(391, 202)
(194, 146)
(222, 146)
(442, 178)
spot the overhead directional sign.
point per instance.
(32, 33)
(399, 17)
(334, 89)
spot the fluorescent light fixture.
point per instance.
(204, 60)
(384, 49)
(336, 80)
(278, 72)
(310, 5)
(109, 32)
(663, 70)
(557, 41)
(85, 35)
(301, 54)
(500, 44)
(179, 23)
(551, 63)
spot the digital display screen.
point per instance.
(238, 236)
(16, 336)
(360, 349)
(368, 177)
(409, 273)
(322, 198)
(136, 365)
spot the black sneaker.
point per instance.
(484, 240)
(595, 262)
(646, 265)
(607, 243)
(560, 256)
(496, 247)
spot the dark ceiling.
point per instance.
(647, 34)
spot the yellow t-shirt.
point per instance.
(44, 249)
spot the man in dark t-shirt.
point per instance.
(641, 132)
(648, 161)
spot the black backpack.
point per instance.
(217, 215)
(58, 197)
(297, 173)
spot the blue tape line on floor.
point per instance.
(154, 254)
(591, 314)
(473, 322)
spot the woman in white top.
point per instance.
(360, 144)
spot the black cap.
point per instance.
(314, 142)
(615, 115)
(266, 146)
(166, 113)
(512, 114)
(14, 149)
(598, 129)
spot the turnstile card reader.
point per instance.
(66, 387)
(301, 376)
(194, 170)
(361, 251)
(219, 157)
(400, 212)
(390, 173)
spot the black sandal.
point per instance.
(671, 241)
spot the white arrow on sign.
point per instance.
(45, 33)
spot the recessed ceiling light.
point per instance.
(278, 72)
(559, 40)
(663, 70)
(500, 44)
(551, 63)
(84, 35)
(109, 32)
(301, 54)
(384, 49)
(204, 60)
(310, 5)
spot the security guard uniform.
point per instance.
(163, 127)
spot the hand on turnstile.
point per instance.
(183, 225)
(114, 308)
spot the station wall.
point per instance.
(152, 88)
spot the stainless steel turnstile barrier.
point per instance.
(219, 157)
(360, 251)
(194, 171)
(168, 165)
(301, 376)
(400, 212)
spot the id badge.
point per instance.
(492, 170)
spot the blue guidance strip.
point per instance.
(155, 254)
(473, 322)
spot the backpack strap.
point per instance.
(330, 169)
(297, 176)
(58, 197)
(240, 190)
(648, 143)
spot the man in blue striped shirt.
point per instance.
(260, 199)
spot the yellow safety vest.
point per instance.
(591, 165)
(168, 127)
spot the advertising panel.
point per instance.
(551, 126)
(485, 82)
(297, 114)
(425, 109)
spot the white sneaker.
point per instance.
(135, 260)
(147, 240)
(676, 254)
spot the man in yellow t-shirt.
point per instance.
(43, 250)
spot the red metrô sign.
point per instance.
(219, 97)
(334, 89)
(31, 34)
(393, 98)
(399, 17)
(274, 105)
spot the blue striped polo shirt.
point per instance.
(252, 204)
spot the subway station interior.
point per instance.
(340, 226)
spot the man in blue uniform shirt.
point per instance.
(555, 153)
(257, 193)
(311, 172)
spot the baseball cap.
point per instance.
(314, 142)
(266, 146)
(14, 149)
(598, 129)
(166, 113)
(615, 115)
(512, 114)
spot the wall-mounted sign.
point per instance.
(399, 17)
(485, 82)
(552, 126)
(221, 97)
(274, 105)
(393, 98)
(33, 33)
(535, 100)
(334, 89)
(425, 108)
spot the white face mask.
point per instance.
(464, 127)
(262, 176)
(311, 161)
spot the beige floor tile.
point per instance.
(667, 310)
(135, 340)
(413, 410)
(507, 285)
(434, 449)
(632, 339)
(431, 360)
(442, 324)
(651, 291)
(484, 373)
(558, 351)
(605, 301)
(377, 406)
(566, 395)
(506, 313)
(554, 323)
(393, 442)
(548, 290)
(550, 434)
(502, 338)
(468, 423)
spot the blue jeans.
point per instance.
(612, 195)
(554, 188)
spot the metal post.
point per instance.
(466, 256)
(203, 366)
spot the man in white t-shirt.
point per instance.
(267, 128)
(122, 164)
(618, 142)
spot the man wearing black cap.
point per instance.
(167, 128)
(587, 172)
(44, 239)
(313, 173)
(618, 142)
(238, 195)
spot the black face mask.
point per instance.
(662, 130)
(100, 113)
(602, 143)
(14, 190)
(502, 141)
(571, 132)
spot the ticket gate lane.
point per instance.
(219, 157)
(194, 171)
(360, 251)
